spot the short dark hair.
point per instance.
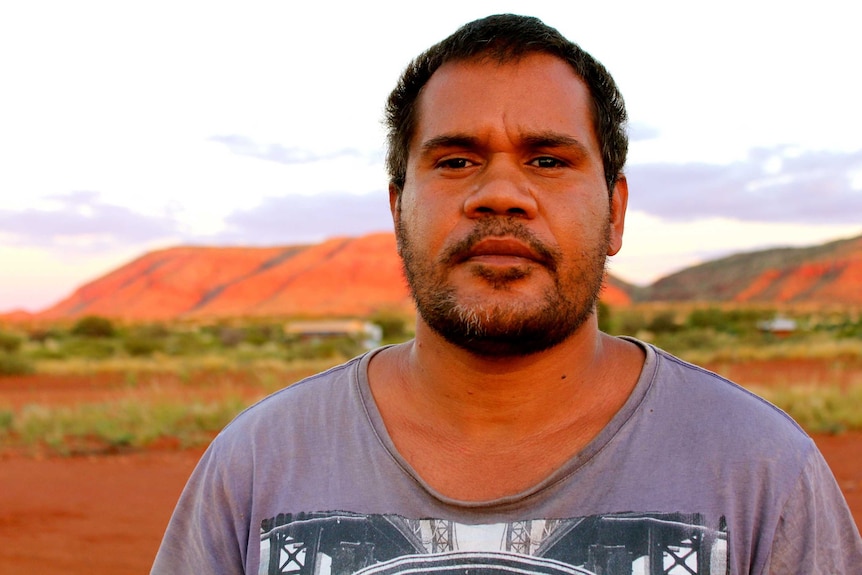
(506, 38)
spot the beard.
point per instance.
(491, 328)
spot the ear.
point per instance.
(395, 210)
(619, 202)
(394, 198)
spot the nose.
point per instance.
(502, 190)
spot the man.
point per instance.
(510, 436)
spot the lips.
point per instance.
(502, 241)
(502, 249)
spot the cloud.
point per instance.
(639, 132)
(82, 221)
(244, 146)
(773, 185)
(295, 218)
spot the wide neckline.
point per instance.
(565, 471)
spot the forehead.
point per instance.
(535, 93)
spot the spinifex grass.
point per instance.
(815, 346)
(142, 401)
(103, 427)
(182, 365)
(819, 409)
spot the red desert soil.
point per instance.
(96, 515)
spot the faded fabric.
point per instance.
(694, 475)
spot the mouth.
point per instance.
(504, 251)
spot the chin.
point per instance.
(492, 329)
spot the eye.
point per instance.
(547, 162)
(454, 163)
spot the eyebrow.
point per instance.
(450, 141)
(551, 139)
(534, 140)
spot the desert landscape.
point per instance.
(103, 509)
(109, 397)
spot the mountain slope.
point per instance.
(338, 277)
(357, 276)
(827, 273)
(245, 281)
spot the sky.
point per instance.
(132, 126)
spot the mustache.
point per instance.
(498, 228)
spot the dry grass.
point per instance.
(106, 427)
(819, 409)
(215, 386)
(181, 365)
(820, 347)
(143, 402)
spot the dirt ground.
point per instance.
(105, 514)
(88, 515)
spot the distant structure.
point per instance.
(368, 334)
(777, 326)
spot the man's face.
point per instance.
(504, 222)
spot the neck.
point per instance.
(484, 394)
(477, 428)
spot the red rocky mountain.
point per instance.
(828, 274)
(338, 277)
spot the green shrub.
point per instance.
(231, 336)
(708, 318)
(188, 344)
(681, 342)
(663, 322)
(603, 312)
(850, 329)
(9, 342)
(154, 330)
(47, 352)
(93, 326)
(7, 417)
(327, 348)
(88, 348)
(42, 335)
(393, 324)
(142, 345)
(628, 322)
(263, 334)
(144, 340)
(14, 364)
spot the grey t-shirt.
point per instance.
(693, 475)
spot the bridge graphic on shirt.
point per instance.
(345, 543)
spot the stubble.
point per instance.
(509, 328)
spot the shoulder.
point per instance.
(298, 406)
(318, 387)
(816, 532)
(707, 390)
(287, 428)
(716, 415)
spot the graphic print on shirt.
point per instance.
(344, 543)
